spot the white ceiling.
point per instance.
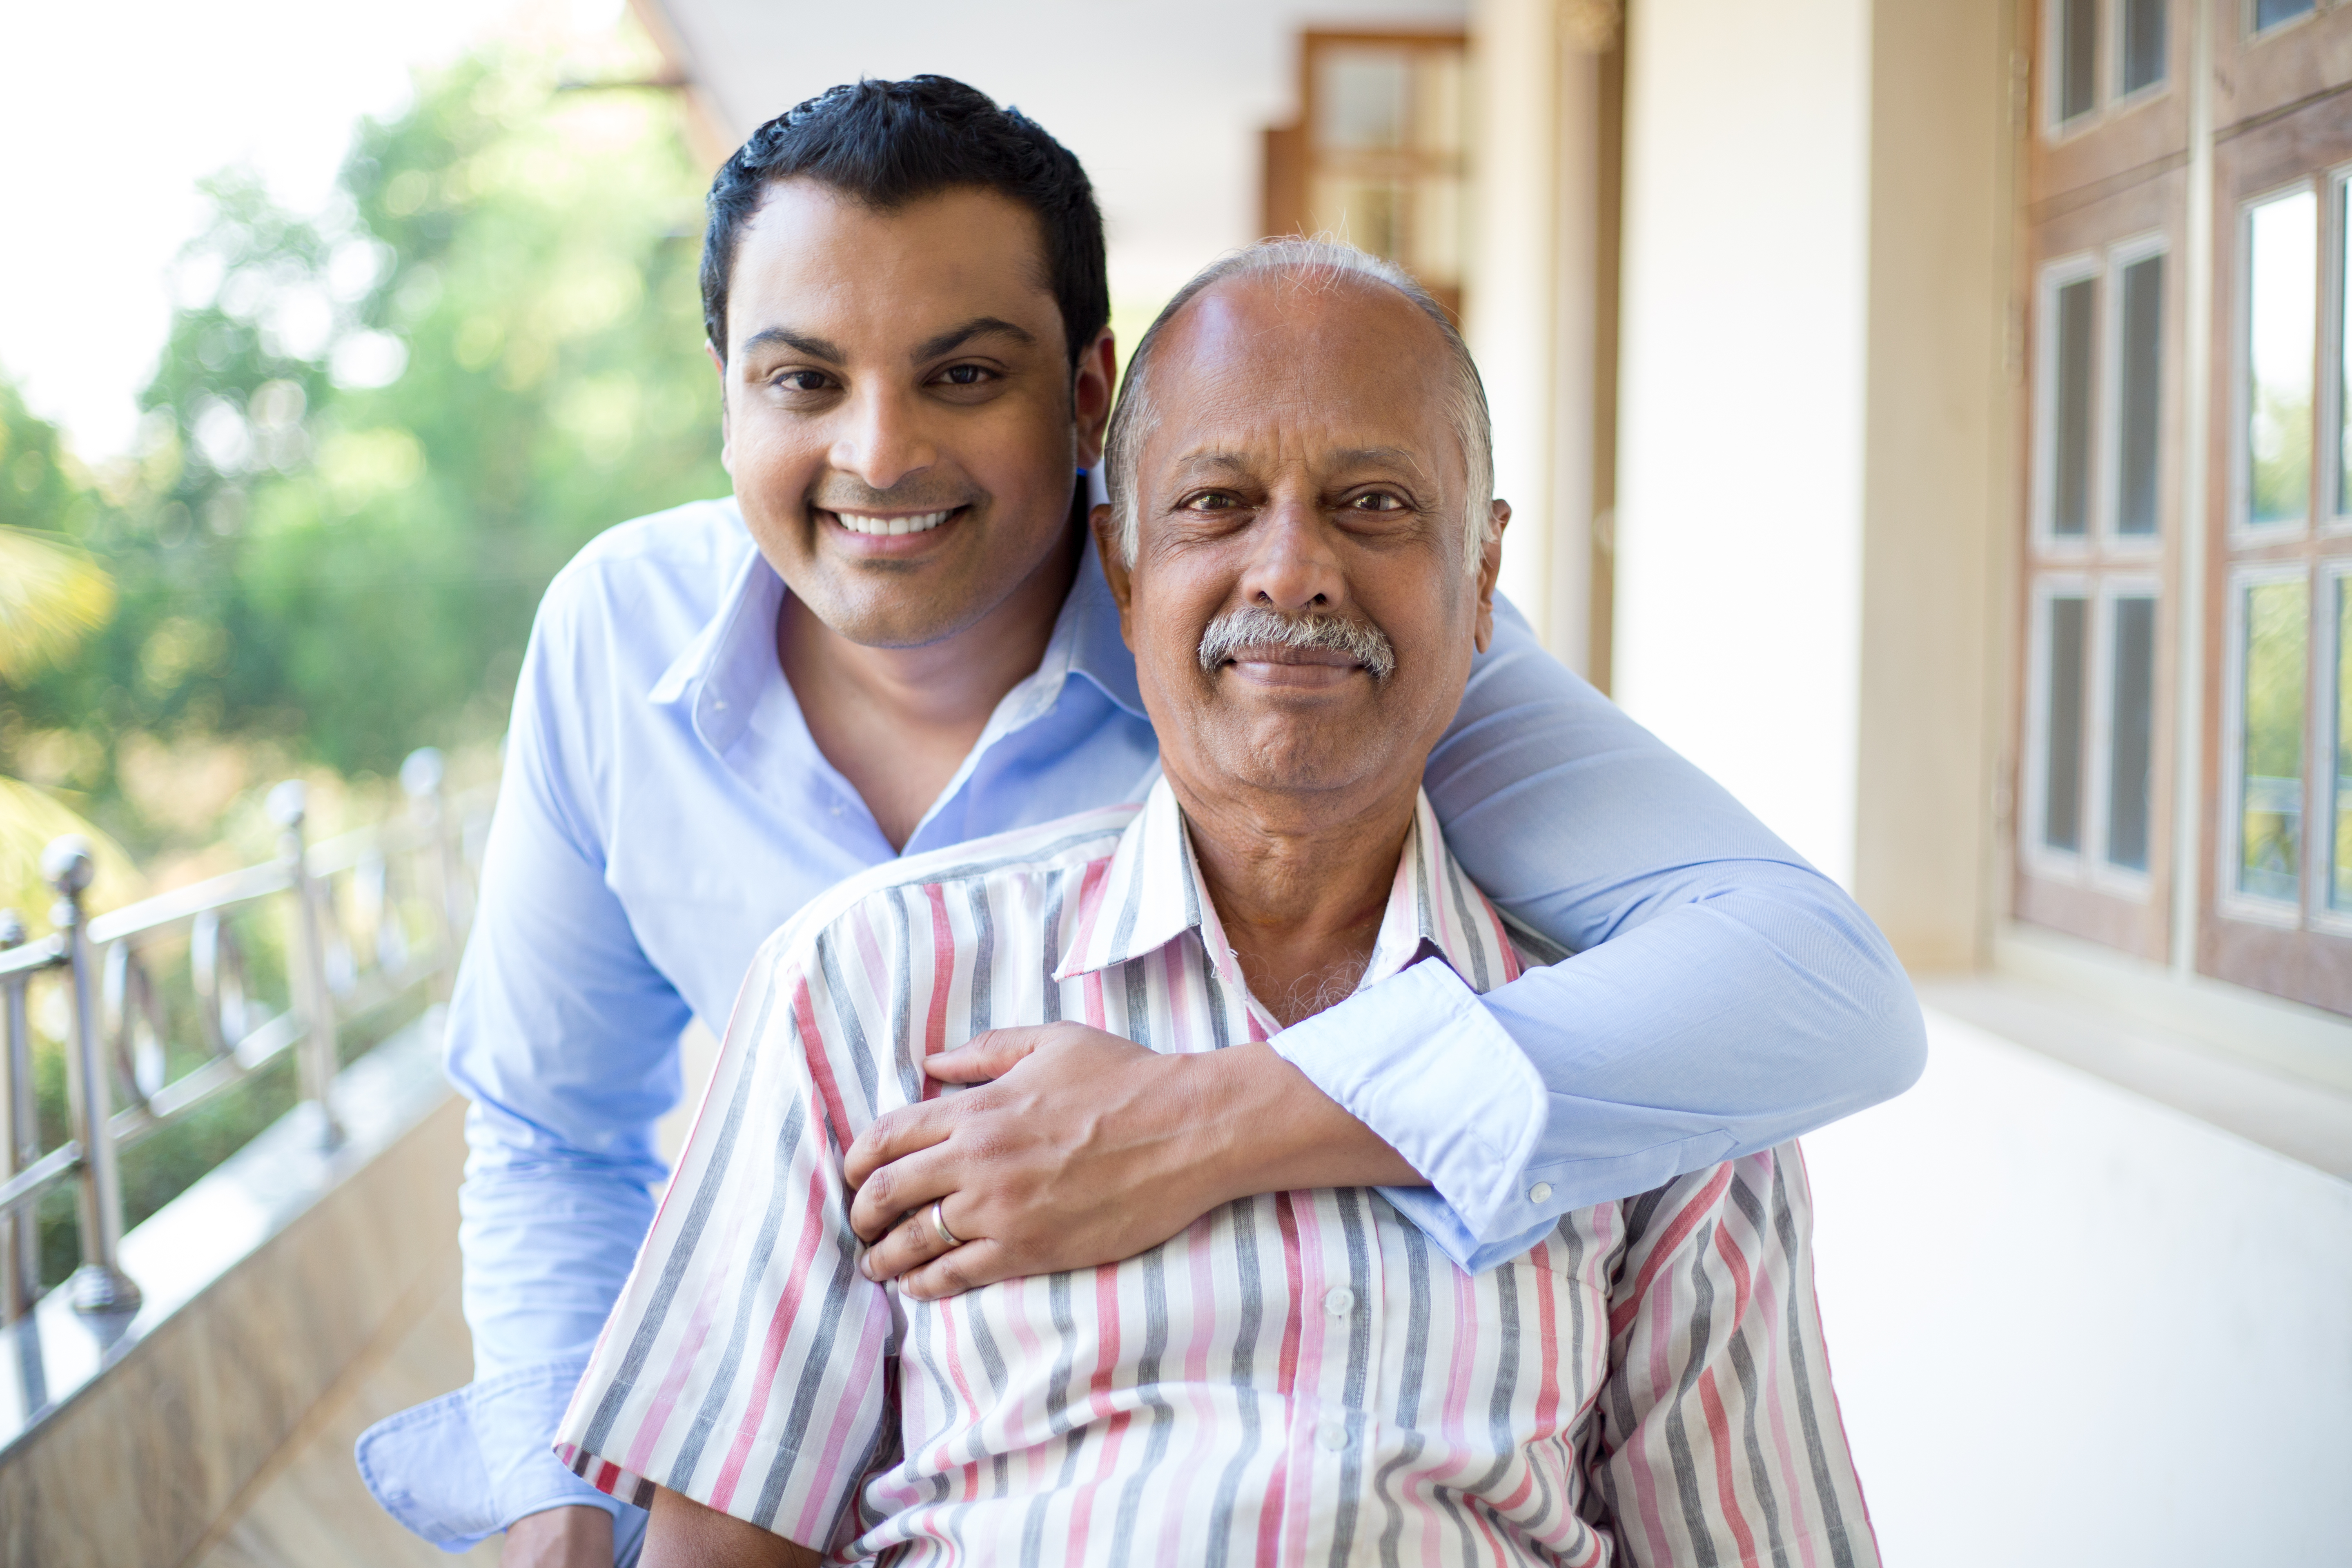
(1163, 103)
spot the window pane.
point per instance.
(2340, 895)
(2070, 474)
(2143, 43)
(2133, 703)
(2078, 43)
(2271, 12)
(2140, 369)
(1364, 99)
(2270, 832)
(2281, 267)
(2062, 800)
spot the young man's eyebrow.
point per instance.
(824, 348)
(978, 327)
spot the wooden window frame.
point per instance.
(1293, 159)
(2279, 136)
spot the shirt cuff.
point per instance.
(1419, 1060)
(462, 1467)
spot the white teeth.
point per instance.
(923, 523)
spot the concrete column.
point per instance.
(1513, 285)
(1811, 435)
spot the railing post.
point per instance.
(20, 1136)
(100, 1285)
(421, 775)
(289, 807)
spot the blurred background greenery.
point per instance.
(375, 433)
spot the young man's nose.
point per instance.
(881, 439)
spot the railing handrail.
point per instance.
(325, 981)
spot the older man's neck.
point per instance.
(1300, 883)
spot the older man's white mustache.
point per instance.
(1256, 626)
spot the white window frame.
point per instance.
(2061, 273)
(2327, 457)
(2255, 33)
(2333, 576)
(2228, 902)
(2108, 403)
(2099, 732)
(2117, 98)
(2041, 859)
(2103, 75)
(2243, 531)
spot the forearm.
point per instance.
(683, 1534)
(1262, 1126)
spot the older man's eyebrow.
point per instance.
(824, 349)
(955, 338)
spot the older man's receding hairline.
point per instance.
(1306, 263)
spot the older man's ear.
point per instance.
(1490, 566)
(1115, 570)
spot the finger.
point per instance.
(895, 1135)
(983, 1056)
(912, 1242)
(898, 1188)
(967, 1268)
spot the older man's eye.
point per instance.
(1213, 500)
(1378, 501)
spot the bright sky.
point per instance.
(112, 113)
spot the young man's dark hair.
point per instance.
(887, 143)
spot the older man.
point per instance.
(1303, 557)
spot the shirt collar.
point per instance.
(1153, 893)
(721, 672)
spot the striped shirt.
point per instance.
(1299, 1377)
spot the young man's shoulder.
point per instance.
(671, 567)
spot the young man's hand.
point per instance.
(559, 1538)
(1081, 1148)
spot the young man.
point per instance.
(1303, 569)
(895, 638)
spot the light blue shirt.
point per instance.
(664, 808)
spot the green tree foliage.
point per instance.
(378, 433)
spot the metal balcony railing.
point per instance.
(406, 886)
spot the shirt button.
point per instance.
(1540, 1193)
(1340, 1302)
(1333, 1434)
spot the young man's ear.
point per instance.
(1117, 570)
(726, 453)
(1090, 390)
(1490, 566)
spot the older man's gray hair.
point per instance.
(1310, 263)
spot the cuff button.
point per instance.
(1540, 1193)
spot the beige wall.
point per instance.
(1810, 483)
(1937, 496)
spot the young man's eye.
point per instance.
(801, 381)
(964, 374)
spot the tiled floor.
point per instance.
(308, 1509)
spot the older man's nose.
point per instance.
(881, 439)
(1294, 565)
